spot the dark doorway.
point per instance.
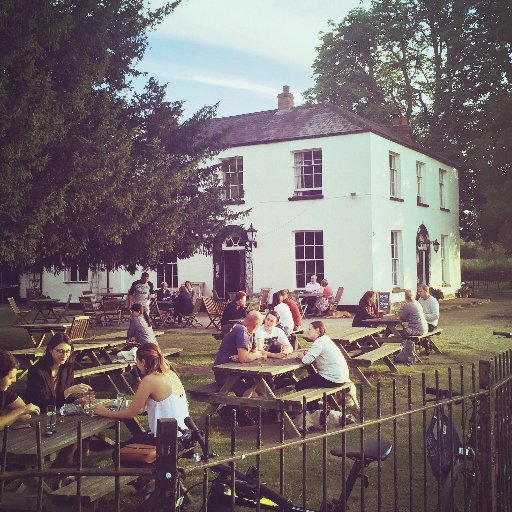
(233, 265)
(423, 255)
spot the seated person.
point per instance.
(412, 313)
(313, 289)
(183, 304)
(234, 310)
(50, 381)
(17, 409)
(273, 339)
(322, 303)
(239, 345)
(160, 391)
(140, 330)
(429, 305)
(367, 309)
(191, 291)
(328, 360)
(163, 293)
(286, 322)
(297, 318)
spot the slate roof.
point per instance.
(306, 122)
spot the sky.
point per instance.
(238, 53)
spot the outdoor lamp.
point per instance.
(251, 237)
(436, 245)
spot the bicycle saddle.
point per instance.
(371, 451)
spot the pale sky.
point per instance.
(239, 53)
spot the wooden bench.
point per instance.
(293, 400)
(424, 340)
(203, 393)
(93, 488)
(368, 358)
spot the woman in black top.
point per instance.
(50, 380)
(183, 304)
(366, 309)
(9, 400)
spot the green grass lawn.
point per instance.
(466, 338)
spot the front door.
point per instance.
(234, 261)
(423, 256)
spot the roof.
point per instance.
(306, 122)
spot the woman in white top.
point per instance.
(267, 331)
(160, 390)
(327, 359)
(284, 312)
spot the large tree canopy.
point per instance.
(92, 172)
(447, 66)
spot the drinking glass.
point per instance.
(89, 404)
(120, 398)
(51, 419)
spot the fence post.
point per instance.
(166, 464)
(487, 448)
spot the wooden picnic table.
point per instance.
(355, 337)
(44, 309)
(22, 450)
(259, 374)
(390, 322)
(42, 330)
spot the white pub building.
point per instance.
(330, 194)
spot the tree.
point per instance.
(94, 173)
(438, 62)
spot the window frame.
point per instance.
(236, 175)
(75, 274)
(313, 244)
(394, 175)
(396, 267)
(442, 188)
(167, 264)
(445, 278)
(299, 176)
(420, 182)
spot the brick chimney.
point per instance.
(285, 99)
(400, 125)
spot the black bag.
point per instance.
(442, 444)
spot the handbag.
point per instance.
(142, 453)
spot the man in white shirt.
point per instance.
(313, 286)
(429, 305)
(315, 289)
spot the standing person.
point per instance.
(367, 309)
(18, 410)
(297, 318)
(141, 292)
(322, 302)
(412, 313)
(191, 290)
(183, 304)
(429, 305)
(140, 330)
(160, 390)
(286, 319)
(234, 310)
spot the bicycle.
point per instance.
(449, 457)
(248, 492)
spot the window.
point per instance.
(420, 182)
(309, 256)
(395, 258)
(445, 278)
(233, 175)
(394, 175)
(77, 274)
(442, 191)
(167, 270)
(308, 172)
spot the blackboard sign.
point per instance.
(383, 298)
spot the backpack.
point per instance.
(408, 353)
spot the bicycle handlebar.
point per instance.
(281, 500)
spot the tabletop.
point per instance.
(114, 295)
(44, 301)
(78, 347)
(46, 327)
(272, 367)
(385, 320)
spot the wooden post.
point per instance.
(486, 438)
(167, 477)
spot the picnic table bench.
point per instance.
(258, 373)
(423, 340)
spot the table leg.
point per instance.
(228, 386)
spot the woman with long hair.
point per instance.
(322, 303)
(140, 330)
(367, 308)
(50, 379)
(286, 319)
(160, 391)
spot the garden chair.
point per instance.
(21, 314)
(111, 312)
(79, 327)
(90, 308)
(191, 320)
(62, 313)
(333, 306)
(264, 296)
